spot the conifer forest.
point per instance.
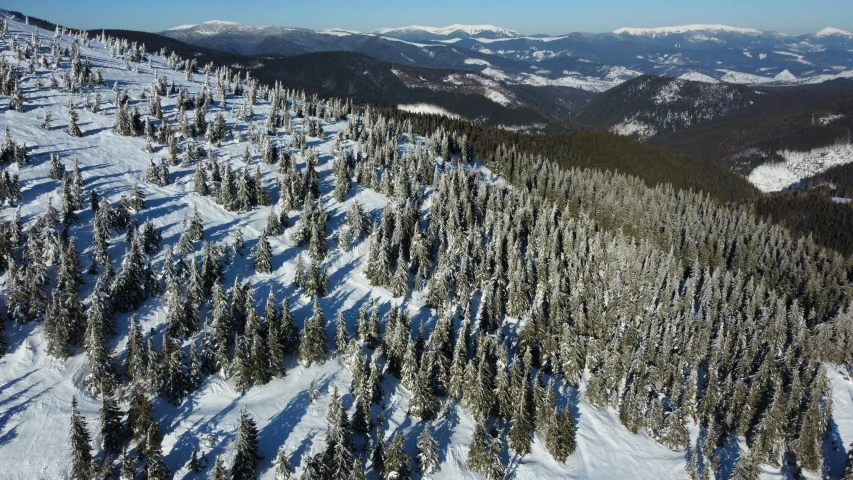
(207, 274)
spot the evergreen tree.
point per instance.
(274, 226)
(263, 255)
(427, 453)
(378, 453)
(260, 360)
(195, 465)
(560, 439)
(81, 445)
(128, 465)
(155, 465)
(101, 369)
(247, 457)
(397, 464)
(242, 366)
(176, 313)
(746, 468)
(47, 121)
(495, 469)
(275, 349)
(400, 281)
(341, 334)
(312, 346)
(139, 413)
(219, 470)
(283, 470)
(136, 362)
(73, 117)
(290, 341)
(174, 380)
(422, 404)
(478, 451)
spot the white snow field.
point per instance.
(773, 177)
(36, 389)
(428, 109)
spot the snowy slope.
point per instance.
(773, 177)
(35, 389)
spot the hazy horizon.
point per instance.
(534, 17)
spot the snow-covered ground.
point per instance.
(698, 77)
(36, 389)
(427, 109)
(773, 177)
(634, 127)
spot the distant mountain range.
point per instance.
(593, 62)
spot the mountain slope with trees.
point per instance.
(208, 274)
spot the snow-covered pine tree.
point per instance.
(400, 280)
(155, 465)
(315, 280)
(175, 311)
(57, 169)
(375, 379)
(196, 370)
(478, 450)
(341, 334)
(260, 360)
(312, 346)
(423, 404)
(219, 471)
(275, 350)
(247, 456)
(47, 121)
(129, 465)
(174, 382)
(397, 463)
(428, 462)
(136, 362)
(101, 376)
(126, 288)
(290, 341)
(495, 469)
(139, 412)
(111, 427)
(242, 366)
(263, 254)
(560, 439)
(81, 445)
(355, 220)
(273, 227)
(747, 467)
(283, 469)
(17, 99)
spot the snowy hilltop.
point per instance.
(209, 276)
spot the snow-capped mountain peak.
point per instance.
(472, 30)
(830, 31)
(660, 31)
(183, 27)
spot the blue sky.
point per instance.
(525, 16)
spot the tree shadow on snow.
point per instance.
(281, 426)
(834, 452)
(729, 455)
(191, 438)
(443, 428)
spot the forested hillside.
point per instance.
(210, 275)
